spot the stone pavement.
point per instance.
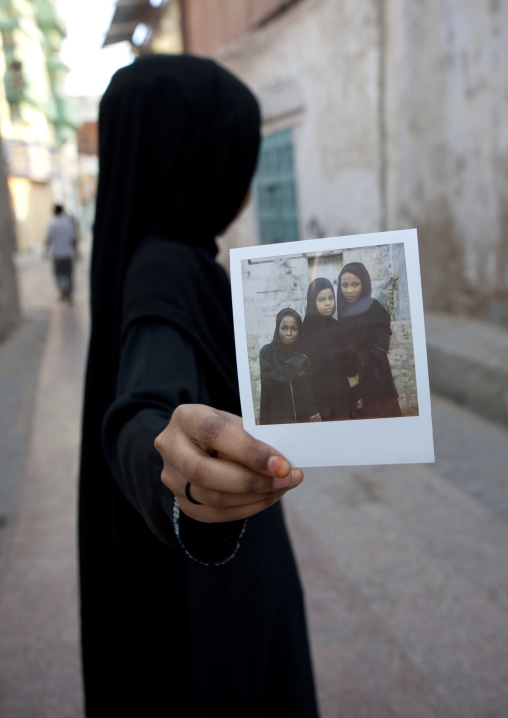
(39, 647)
(405, 567)
(406, 570)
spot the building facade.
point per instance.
(383, 115)
(37, 122)
(395, 115)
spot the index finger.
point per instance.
(224, 433)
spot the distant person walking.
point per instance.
(61, 245)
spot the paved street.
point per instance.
(39, 655)
(405, 567)
(406, 570)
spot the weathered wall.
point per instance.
(272, 283)
(315, 69)
(446, 104)
(209, 24)
(399, 116)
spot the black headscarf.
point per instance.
(365, 332)
(178, 144)
(364, 301)
(316, 328)
(315, 287)
(284, 351)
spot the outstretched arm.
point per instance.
(161, 394)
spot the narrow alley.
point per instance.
(405, 567)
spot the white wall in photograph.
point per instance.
(269, 284)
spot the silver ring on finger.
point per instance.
(189, 497)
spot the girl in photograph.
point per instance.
(365, 339)
(321, 343)
(191, 603)
(287, 395)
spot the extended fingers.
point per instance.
(223, 475)
(224, 434)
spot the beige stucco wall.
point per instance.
(315, 69)
(32, 202)
(447, 145)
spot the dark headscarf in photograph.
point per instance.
(345, 308)
(284, 351)
(315, 287)
(316, 329)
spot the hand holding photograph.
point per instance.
(331, 353)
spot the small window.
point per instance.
(275, 184)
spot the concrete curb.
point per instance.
(20, 357)
(468, 363)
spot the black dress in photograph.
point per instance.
(320, 341)
(178, 617)
(365, 339)
(287, 394)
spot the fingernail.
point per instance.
(294, 478)
(297, 476)
(279, 466)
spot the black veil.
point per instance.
(178, 144)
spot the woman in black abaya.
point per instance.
(190, 599)
(321, 343)
(365, 339)
(287, 396)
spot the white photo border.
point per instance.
(401, 440)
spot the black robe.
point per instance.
(168, 628)
(320, 340)
(287, 394)
(365, 340)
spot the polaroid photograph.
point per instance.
(331, 352)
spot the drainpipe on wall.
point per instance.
(9, 296)
(383, 180)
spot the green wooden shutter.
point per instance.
(275, 183)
